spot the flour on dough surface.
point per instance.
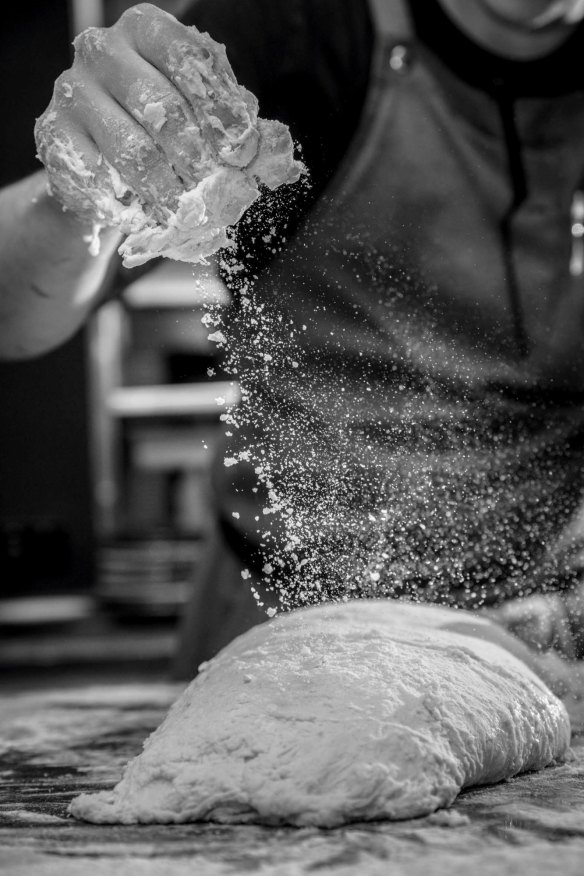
(340, 713)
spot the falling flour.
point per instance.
(340, 713)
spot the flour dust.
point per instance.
(359, 473)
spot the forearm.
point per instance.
(49, 282)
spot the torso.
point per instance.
(415, 423)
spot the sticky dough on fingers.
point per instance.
(153, 102)
(132, 153)
(163, 210)
(198, 66)
(79, 177)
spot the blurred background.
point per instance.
(106, 442)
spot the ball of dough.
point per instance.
(366, 710)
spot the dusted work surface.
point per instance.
(54, 745)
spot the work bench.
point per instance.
(55, 744)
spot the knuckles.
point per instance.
(64, 88)
(140, 16)
(147, 25)
(95, 45)
(125, 144)
(91, 43)
(137, 11)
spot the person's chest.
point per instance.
(418, 236)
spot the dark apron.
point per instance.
(396, 437)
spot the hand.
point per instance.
(549, 630)
(150, 131)
(564, 677)
(544, 622)
(147, 105)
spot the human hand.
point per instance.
(149, 111)
(543, 622)
(548, 628)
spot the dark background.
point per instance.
(45, 486)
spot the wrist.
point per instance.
(81, 229)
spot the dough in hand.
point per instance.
(366, 710)
(237, 152)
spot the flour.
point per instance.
(57, 724)
(340, 713)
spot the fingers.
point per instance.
(163, 114)
(146, 95)
(149, 108)
(166, 44)
(93, 147)
(78, 176)
(125, 105)
(541, 621)
(197, 66)
(128, 148)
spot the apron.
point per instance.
(395, 438)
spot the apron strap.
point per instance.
(391, 19)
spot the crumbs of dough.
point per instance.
(448, 818)
(154, 114)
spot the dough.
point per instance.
(339, 713)
(236, 153)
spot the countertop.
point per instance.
(55, 744)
